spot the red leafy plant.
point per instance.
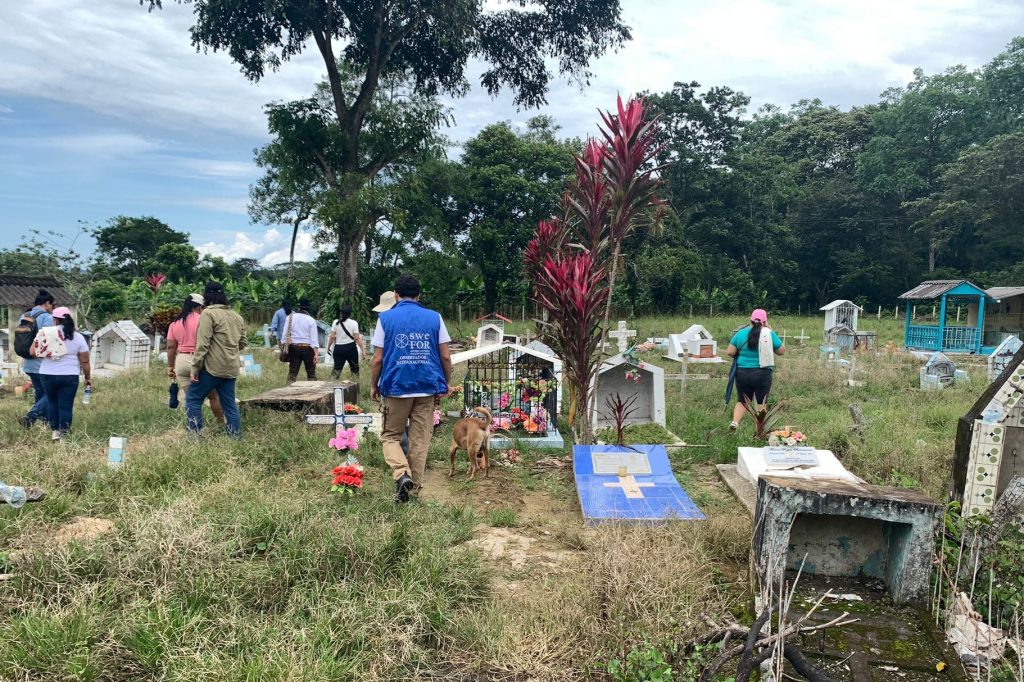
(573, 260)
(620, 410)
(155, 281)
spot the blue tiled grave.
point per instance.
(649, 490)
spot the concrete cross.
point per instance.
(630, 487)
(622, 335)
(265, 333)
(803, 337)
(339, 418)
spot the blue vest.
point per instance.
(412, 357)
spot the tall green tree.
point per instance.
(505, 183)
(427, 43)
(126, 243)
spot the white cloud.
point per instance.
(114, 57)
(4, 109)
(270, 247)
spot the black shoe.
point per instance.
(403, 487)
(172, 401)
(25, 421)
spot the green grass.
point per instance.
(231, 560)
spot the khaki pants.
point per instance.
(419, 412)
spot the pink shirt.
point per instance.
(184, 332)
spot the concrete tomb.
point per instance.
(694, 345)
(989, 449)
(120, 346)
(649, 390)
(1000, 358)
(844, 529)
(629, 484)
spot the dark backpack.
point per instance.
(25, 334)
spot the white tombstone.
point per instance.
(622, 335)
(650, 391)
(841, 313)
(752, 463)
(696, 343)
(120, 346)
(1001, 356)
(489, 335)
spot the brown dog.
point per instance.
(473, 434)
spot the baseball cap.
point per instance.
(387, 302)
(759, 316)
(197, 298)
(61, 312)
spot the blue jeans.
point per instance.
(60, 399)
(197, 393)
(39, 409)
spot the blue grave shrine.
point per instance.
(629, 484)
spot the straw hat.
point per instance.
(387, 302)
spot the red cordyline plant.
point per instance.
(155, 281)
(573, 260)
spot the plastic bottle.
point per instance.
(87, 394)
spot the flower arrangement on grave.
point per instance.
(645, 347)
(352, 408)
(537, 422)
(347, 477)
(633, 362)
(507, 458)
(437, 418)
(787, 438)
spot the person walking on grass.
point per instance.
(220, 337)
(344, 343)
(59, 374)
(303, 339)
(754, 349)
(411, 367)
(41, 316)
(277, 322)
(181, 346)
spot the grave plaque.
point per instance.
(790, 458)
(606, 494)
(611, 463)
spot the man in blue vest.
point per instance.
(411, 366)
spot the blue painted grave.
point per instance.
(648, 490)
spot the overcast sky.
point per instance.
(106, 109)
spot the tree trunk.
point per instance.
(587, 430)
(348, 267)
(931, 256)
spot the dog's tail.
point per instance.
(485, 412)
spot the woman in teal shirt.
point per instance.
(754, 363)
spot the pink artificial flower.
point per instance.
(504, 401)
(437, 417)
(346, 439)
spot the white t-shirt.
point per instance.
(378, 342)
(340, 337)
(67, 364)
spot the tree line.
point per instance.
(782, 208)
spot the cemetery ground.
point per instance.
(217, 559)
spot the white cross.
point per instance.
(339, 418)
(782, 336)
(803, 337)
(265, 333)
(630, 487)
(622, 335)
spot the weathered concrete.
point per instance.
(846, 529)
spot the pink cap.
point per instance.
(61, 312)
(759, 316)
